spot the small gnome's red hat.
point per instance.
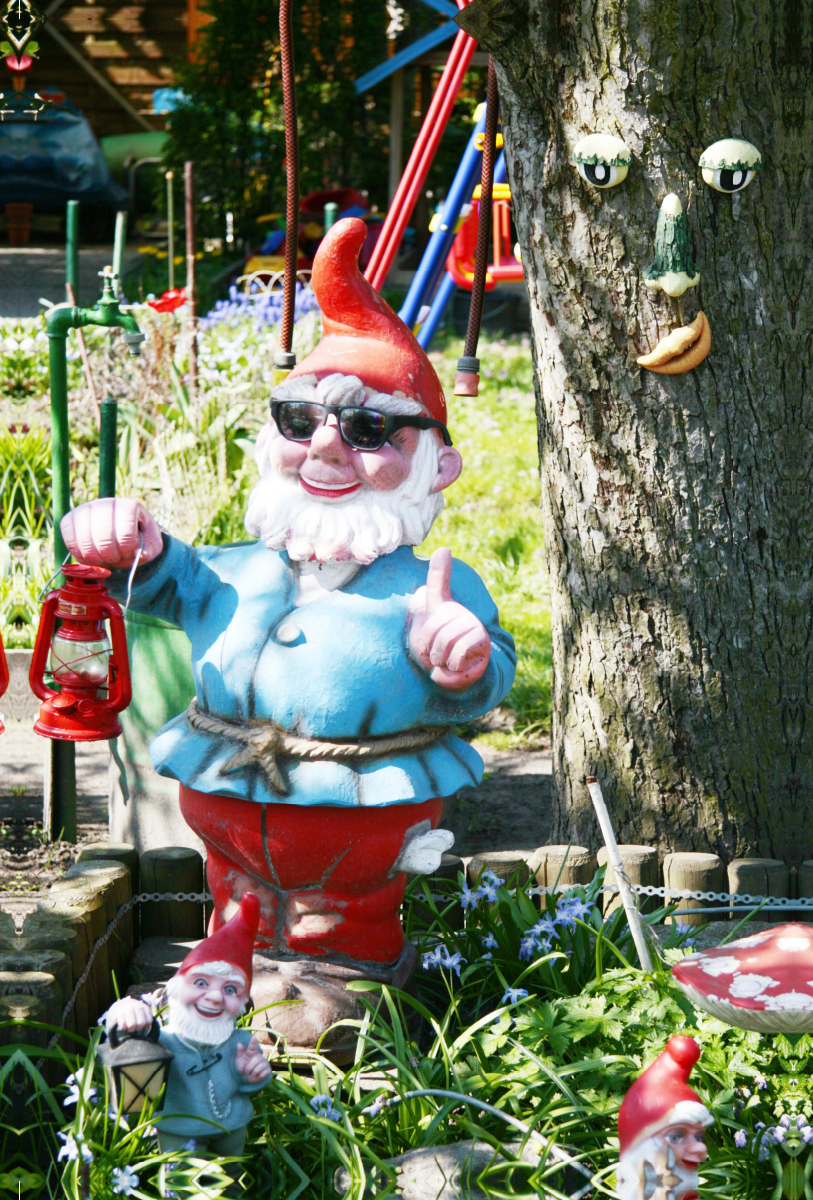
(362, 334)
(661, 1096)
(233, 943)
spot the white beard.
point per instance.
(627, 1174)
(361, 528)
(192, 1027)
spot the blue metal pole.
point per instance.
(446, 290)
(441, 240)
(442, 297)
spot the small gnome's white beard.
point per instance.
(362, 528)
(192, 1027)
(627, 1174)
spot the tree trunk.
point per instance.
(677, 509)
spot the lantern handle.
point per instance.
(121, 693)
(115, 1038)
(57, 572)
(42, 645)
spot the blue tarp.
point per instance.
(54, 159)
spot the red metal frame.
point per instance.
(421, 158)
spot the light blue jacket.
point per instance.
(204, 1094)
(348, 672)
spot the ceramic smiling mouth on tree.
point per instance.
(728, 166)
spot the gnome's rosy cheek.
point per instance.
(287, 457)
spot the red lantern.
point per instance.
(3, 676)
(94, 678)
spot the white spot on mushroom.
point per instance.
(719, 966)
(749, 987)
(788, 1000)
(793, 944)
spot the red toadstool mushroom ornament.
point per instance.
(763, 982)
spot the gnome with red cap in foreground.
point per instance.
(660, 1128)
(331, 665)
(215, 1067)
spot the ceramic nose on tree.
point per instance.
(94, 677)
(673, 269)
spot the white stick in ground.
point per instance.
(622, 879)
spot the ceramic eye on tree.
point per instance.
(670, 314)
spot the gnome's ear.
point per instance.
(450, 464)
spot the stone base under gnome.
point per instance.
(295, 1001)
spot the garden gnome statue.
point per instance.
(660, 1128)
(331, 665)
(215, 1066)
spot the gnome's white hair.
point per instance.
(366, 525)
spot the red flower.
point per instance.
(169, 301)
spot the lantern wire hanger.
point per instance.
(467, 378)
(284, 358)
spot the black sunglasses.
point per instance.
(360, 428)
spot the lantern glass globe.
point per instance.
(87, 660)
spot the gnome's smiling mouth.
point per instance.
(208, 1012)
(329, 491)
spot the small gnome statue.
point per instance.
(216, 1067)
(660, 1127)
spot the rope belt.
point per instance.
(262, 741)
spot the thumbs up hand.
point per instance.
(447, 639)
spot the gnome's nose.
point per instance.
(674, 268)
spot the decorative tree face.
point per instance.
(659, 160)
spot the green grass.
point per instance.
(492, 519)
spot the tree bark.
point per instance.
(677, 510)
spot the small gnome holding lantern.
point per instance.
(215, 1067)
(660, 1128)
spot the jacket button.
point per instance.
(288, 633)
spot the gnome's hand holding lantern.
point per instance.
(213, 1067)
(660, 1128)
(331, 664)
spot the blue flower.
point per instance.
(125, 1181)
(431, 959)
(785, 1121)
(740, 1138)
(323, 1107)
(761, 1082)
(375, 1108)
(190, 1145)
(778, 1133)
(575, 907)
(468, 898)
(544, 926)
(490, 942)
(807, 1134)
(488, 891)
(74, 1146)
(528, 947)
(74, 1091)
(452, 962)
(487, 957)
(512, 995)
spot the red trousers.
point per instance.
(323, 875)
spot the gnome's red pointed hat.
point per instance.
(661, 1096)
(233, 943)
(362, 334)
